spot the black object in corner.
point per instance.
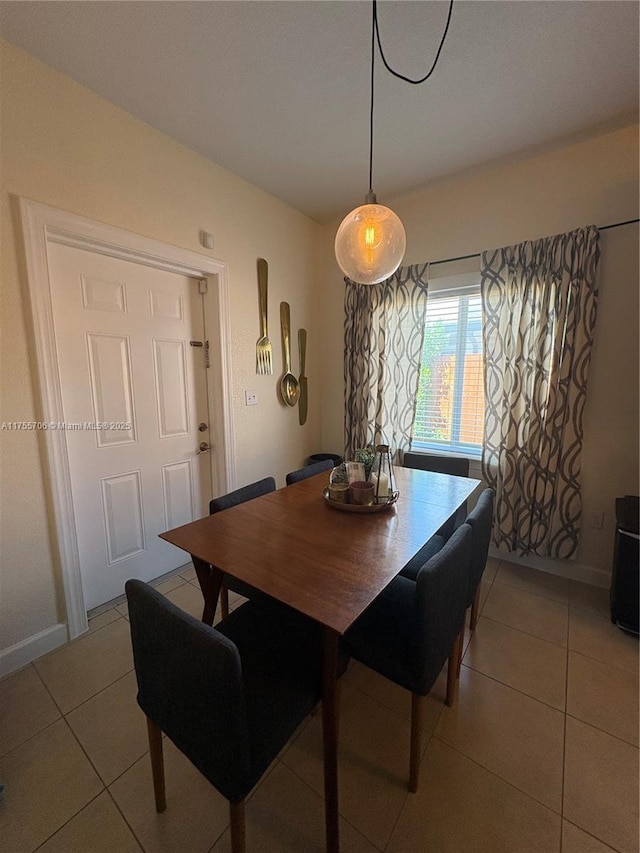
(626, 565)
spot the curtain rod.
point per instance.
(477, 254)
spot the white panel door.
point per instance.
(133, 395)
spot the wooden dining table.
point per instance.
(327, 563)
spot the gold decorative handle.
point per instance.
(285, 322)
(302, 344)
(263, 273)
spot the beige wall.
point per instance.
(592, 181)
(66, 147)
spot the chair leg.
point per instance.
(460, 650)
(157, 764)
(475, 609)
(236, 814)
(452, 669)
(417, 725)
(224, 601)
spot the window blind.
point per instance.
(450, 404)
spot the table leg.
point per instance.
(210, 580)
(330, 713)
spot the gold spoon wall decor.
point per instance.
(289, 387)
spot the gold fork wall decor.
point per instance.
(264, 354)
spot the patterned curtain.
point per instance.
(539, 304)
(383, 335)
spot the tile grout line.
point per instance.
(144, 757)
(529, 591)
(527, 633)
(369, 698)
(606, 664)
(595, 837)
(31, 737)
(321, 798)
(603, 731)
(105, 787)
(515, 689)
(86, 755)
(98, 777)
(122, 815)
(46, 687)
(73, 816)
(602, 662)
(404, 803)
(93, 695)
(524, 592)
(498, 776)
(533, 698)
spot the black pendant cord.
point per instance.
(373, 57)
(375, 35)
(435, 61)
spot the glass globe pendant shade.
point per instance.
(370, 243)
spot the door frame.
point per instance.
(42, 224)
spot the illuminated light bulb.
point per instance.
(370, 243)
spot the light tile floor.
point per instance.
(538, 755)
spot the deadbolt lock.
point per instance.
(202, 427)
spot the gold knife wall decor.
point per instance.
(303, 402)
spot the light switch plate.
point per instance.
(250, 398)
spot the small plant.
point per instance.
(366, 455)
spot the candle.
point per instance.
(380, 485)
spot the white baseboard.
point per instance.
(28, 650)
(563, 568)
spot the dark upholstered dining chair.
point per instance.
(413, 627)
(239, 496)
(243, 494)
(480, 519)
(455, 465)
(228, 697)
(309, 471)
(442, 465)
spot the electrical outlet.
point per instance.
(596, 520)
(250, 398)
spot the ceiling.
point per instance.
(278, 92)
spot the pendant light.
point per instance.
(371, 240)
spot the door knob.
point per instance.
(204, 447)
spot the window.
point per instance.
(450, 405)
